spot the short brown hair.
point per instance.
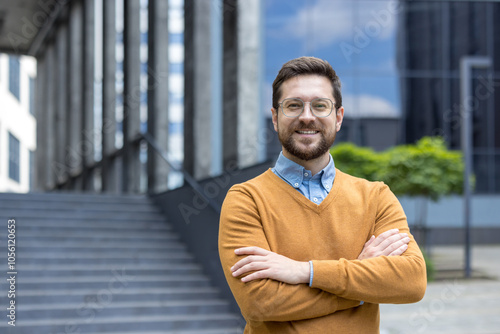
(305, 66)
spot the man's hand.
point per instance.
(389, 243)
(266, 264)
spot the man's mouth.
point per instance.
(307, 132)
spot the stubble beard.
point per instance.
(307, 154)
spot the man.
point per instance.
(304, 247)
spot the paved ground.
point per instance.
(453, 305)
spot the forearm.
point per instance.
(395, 279)
(270, 300)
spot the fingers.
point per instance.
(389, 243)
(394, 241)
(251, 251)
(256, 275)
(247, 260)
(400, 250)
(369, 242)
(383, 236)
(252, 266)
(249, 263)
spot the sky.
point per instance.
(357, 37)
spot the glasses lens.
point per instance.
(321, 107)
(292, 107)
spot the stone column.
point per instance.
(250, 122)
(50, 119)
(230, 84)
(87, 134)
(59, 165)
(157, 92)
(132, 95)
(40, 113)
(242, 77)
(109, 168)
(75, 89)
(197, 91)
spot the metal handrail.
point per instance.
(187, 177)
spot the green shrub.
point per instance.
(427, 168)
(358, 161)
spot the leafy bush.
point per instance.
(427, 168)
(358, 161)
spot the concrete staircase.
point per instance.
(103, 264)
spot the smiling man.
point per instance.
(306, 248)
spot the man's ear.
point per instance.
(275, 119)
(340, 117)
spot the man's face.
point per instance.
(295, 134)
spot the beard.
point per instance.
(310, 152)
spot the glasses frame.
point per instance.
(304, 105)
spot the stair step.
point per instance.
(136, 260)
(76, 225)
(122, 324)
(113, 279)
(21, 205)
(76, 219)
(89, 239)
(133, 308)
(85, 214)
(226, 330)
(86, 234)
(111, 293)
(79, 245)
(112, 254)
(62, 197)
(52, 270)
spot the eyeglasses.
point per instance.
(293, 107)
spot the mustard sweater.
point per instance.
(268, 213)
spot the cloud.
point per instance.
(365, 105)
(331, 21)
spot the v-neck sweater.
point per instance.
(269, 213)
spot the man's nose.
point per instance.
(307, 114)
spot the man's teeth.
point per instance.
(307, 132)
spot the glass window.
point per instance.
(14, 158)
(14, 75)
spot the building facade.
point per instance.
(17, 123)
(433, 39)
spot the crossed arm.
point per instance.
(266, 264)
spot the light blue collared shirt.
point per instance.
(315, 188)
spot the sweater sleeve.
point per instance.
(265, 299)
(383, 279)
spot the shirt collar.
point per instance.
(293, 173)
